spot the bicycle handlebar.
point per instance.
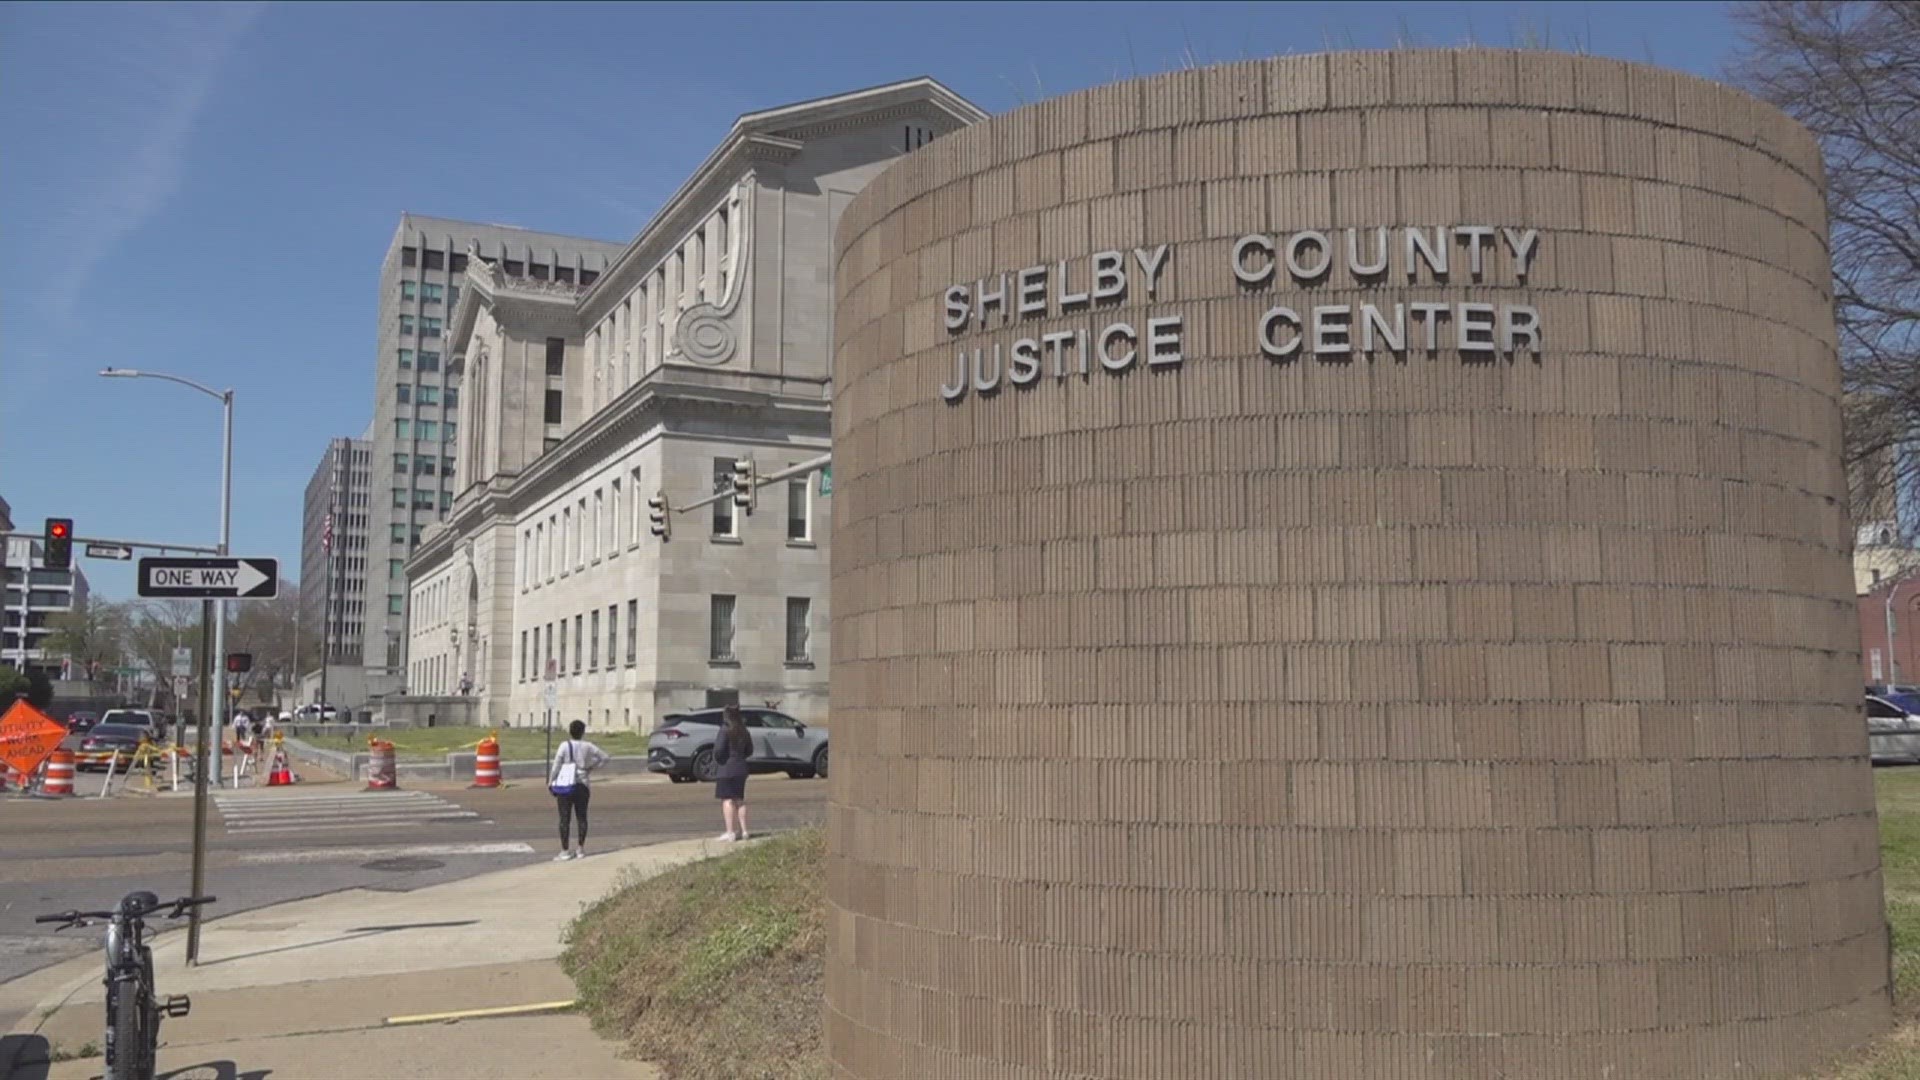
(179, 907)
(73, 916)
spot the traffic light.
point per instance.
(743, 486)
(657, 510)
(58, 543)
(239, 663)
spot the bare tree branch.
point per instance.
(1850, 71)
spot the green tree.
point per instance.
(93, 635)
(39, 690)
(12, 685)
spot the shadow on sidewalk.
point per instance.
(354, 934)
(29, 1057)
(215, 1070)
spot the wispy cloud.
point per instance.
(158, 67)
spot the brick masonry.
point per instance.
(1431, 715)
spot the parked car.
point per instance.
(154, 723)
(682, 746)
(317, 714)
(119, 739)
(1893, 727)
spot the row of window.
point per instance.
(428, 325)
(423, 500)
(424, 430)
(635, 334)
(433, 259)
(424, 394)
(422, 464)
(434, 675)
(429, 293)
(428, 361)
(569, 538)
(543, 651)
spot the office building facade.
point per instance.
(416, 410)
(708, 340)
(334, 551)
(35, 597)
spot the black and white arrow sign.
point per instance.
(209, 578)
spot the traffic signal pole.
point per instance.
(810, 465)
(26, 568)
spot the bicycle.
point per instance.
(133, 1012)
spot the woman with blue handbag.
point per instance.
(568, 781)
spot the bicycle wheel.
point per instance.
(128, 1044)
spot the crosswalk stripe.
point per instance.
(362, 854)
(464, 815)
(250, 814)
(317, 800)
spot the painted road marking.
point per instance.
(362, 854)
(247, 813)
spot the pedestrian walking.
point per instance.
(730, 787)
(567, 779)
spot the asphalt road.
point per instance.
(268, 846)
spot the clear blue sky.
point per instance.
(207, 190)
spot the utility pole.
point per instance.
(200, 770)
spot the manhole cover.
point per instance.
(403, 865)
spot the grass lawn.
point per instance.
(714, 970)
(516, 744)
(1897, 1057)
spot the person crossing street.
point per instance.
(567, 779)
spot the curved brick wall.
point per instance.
(1420, 713)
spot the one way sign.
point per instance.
(209, 579)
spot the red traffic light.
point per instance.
(58, 544)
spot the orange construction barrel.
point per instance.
(486, 762)
(382, 775)
(59, 775)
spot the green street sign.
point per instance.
(826, 481)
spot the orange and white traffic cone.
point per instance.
(282, 774)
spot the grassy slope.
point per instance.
(516, 744)
(1897, 1057)
(714, 971)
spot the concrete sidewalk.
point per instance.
(304, 989)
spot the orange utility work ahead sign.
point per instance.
(27, 737)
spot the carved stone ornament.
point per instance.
(705, 332)
(705, 335)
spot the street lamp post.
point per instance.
(212, 712)
(1893, 665)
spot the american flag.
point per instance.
(326, 534)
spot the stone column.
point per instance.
(1282, 700)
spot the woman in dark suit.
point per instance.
(730, 754)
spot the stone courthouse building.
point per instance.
(708, 339)
(1341, 571)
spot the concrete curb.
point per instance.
(337, 761)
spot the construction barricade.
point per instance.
(383, 774)
(486, 762)
(58, 779)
